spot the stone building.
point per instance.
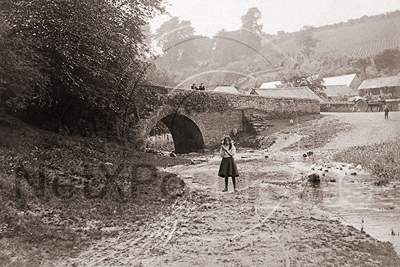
(338, 93)
(270, 85)
(351, 80)
(386, 85)
(387, 88)
(226, 89)
(288, 92)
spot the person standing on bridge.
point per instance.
(228, 166)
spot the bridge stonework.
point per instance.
(199, 119)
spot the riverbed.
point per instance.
(355, 200)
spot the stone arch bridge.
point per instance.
(198, 120)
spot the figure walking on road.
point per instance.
(228, 166)
(386, 110)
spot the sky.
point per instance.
(209, 16)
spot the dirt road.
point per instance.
(270, 221)
(368, 128)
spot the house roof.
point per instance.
(296, 92)
(380, 82)
(270, 85)
(340, 80)
(339, 90)
(226, 89)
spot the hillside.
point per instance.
(360, 40)
(338, 45)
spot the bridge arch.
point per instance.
(187, 130)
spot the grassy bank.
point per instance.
(383, 159)
(59, 193)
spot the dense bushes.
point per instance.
(74, 66)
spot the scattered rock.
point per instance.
(314, 178)
(380, 182)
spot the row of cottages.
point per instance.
(385, 87)
(390, 86)
(226, 89)
(295, 92)
(338, 88)
(270, 85)
(292, 92)
(351, 80)
(338, 93)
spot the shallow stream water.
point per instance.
(353, 199)
(356, 201)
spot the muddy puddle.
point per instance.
(355, 200)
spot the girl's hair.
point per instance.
(229, 140)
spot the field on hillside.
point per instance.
(360, 40)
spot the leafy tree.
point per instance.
(306, 41)
(228, 46)
(362, 64)
(160, 76)
(19, 70)
(177, 42)
(251, 29)
(204, 46)
(388, 60)
(281, 33)
(92, 51)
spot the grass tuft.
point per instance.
(382, 159)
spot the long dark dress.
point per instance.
(228, 166)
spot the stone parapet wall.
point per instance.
(337, 107)
(217, 113)
(274, 108)
(393, 104)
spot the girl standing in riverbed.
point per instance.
(228, 166)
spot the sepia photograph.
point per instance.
(199, 133)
